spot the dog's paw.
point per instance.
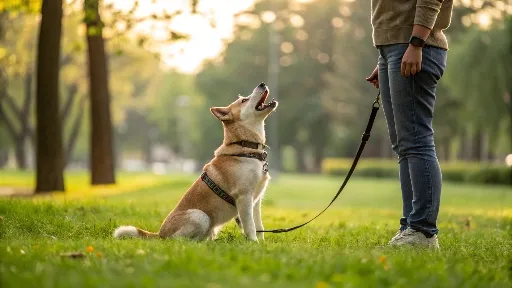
(252, 239)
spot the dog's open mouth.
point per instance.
(262, 105)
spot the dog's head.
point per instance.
(250, 109)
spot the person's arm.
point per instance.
(424, 20)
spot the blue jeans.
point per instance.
(409, 109)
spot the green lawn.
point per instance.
(339, 249)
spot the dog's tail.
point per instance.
(131, 231)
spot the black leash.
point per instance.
(364, 139)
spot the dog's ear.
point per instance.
(222, 113)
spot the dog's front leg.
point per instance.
(257, 219)
(245, 211)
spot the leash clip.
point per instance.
(376, 103)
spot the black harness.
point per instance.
(262, 156)
(217, 190)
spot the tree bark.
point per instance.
(49, 159)
(101, 144)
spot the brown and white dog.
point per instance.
(201, 213)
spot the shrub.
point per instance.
(470, 172)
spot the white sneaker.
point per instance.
(414, 238)
(396, 236)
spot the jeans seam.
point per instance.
(430, 192)
(415, 121)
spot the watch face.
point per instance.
(417, 41)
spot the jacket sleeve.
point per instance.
(426, 12)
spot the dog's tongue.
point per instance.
(261, 103)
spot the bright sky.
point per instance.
(205, 42)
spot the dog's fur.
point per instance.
(200, 214)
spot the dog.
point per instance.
(233, 182)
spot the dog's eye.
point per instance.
(245, 99)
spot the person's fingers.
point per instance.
(402, 69)
(418, 67)
(407, 69)
(372, 77)
(413, 69)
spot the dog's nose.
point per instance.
(262, 85)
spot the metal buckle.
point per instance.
(265, 167)
(264, 155)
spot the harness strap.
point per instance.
(217, 190)
(364, 139)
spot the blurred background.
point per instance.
(136, 79)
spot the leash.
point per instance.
(364, 139)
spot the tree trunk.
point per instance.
(49, 175)
(26, 130)
(20, 154)
(447, 149)
(4, 157)
(318, 157)
(477, 146)
(300, 154)
(102, 160)
(461, 153)
(27, 102)
(73, 136)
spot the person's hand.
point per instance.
(374, 77)
(411, 62)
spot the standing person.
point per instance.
(412, 47)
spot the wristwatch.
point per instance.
(416, 41)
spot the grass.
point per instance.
(339, 249)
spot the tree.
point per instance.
(101, 144)
(305, 56)
(16, 104)
(486, 104)
(16, 71)
(50, 157)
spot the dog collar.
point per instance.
(250, 144)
